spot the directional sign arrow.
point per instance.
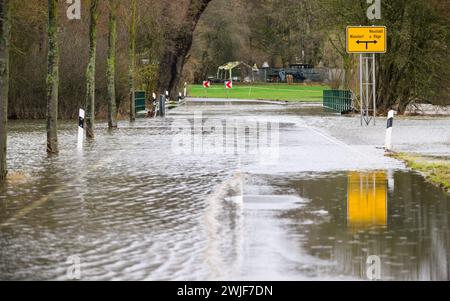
(206, 84)
(367, 42)
(374, 41)
(229, 85)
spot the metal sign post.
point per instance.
(368, 88)
(367, 42)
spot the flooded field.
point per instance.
(132, 207)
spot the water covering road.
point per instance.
(132, 208)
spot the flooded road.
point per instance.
(131, 206)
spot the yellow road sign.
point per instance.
(366, 39)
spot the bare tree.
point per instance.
(52, 78)
(90, 70)
(5, 37)
(174, 57)
(132, 59)
(111, 64)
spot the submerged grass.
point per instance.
(435, 170)
(17, 178)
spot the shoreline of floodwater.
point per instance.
(436, 170)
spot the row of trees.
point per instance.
(254, 31)
(54, 61)
(64, 45)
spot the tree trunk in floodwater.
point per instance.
(132, 59)
(174, 58)
(111, 64)
(90, 70)
(5, 37)
(52, 78)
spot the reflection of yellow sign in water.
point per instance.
(368, 39)
(367, 199)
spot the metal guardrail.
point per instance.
(338, 100)
(139, 98)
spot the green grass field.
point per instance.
(294, 92)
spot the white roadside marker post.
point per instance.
(80, 129)
(185, 90)
(390, 124)
(154, 104)
(154, 99)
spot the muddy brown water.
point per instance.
(130, 208)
